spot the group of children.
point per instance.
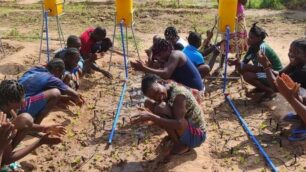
(175, 73)
(173, 105)
(26, 102)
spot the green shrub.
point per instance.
(271, 4)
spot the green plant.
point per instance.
(271, 4)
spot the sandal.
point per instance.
(297, 135)
(290, 117)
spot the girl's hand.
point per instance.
(55, 130)
(287, 87)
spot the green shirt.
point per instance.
(251, 55)
(194, 112)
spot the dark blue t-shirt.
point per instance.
(188, 75)
(39, 79)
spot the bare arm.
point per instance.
(74, 96)
(168, 69)
(11, 157)
(298, 107)
(178, 110)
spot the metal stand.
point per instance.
(45, 30)
(126, 40)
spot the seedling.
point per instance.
(232, 151)
(103, 125)
(277, 126)
(131, 98)
(123, 121)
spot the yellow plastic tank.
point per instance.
(227, 14)
(55, 7)
(124, 11)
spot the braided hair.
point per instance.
(258, 31)
(147, 82)
(10, 91)
(161, 45)
(170, 32)
(300, 43)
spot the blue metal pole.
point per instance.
(226, 57)
(117, 113)
(119, 106)
(47, 35)
(251, 135)
(123, 48)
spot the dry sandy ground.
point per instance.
(140, 148)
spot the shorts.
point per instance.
(192, 136)
(262, 77)
(34, 105)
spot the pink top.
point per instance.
(240, 9)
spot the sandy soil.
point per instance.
(140, 148)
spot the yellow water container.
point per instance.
(124, 11)
(55, 7)
(227, 14)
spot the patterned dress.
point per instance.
(241, 34)
(194, 112)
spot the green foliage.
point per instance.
(271, 4)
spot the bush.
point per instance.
(271, 4)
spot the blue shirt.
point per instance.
(194, 55)
(39, 79)
(188, 75)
